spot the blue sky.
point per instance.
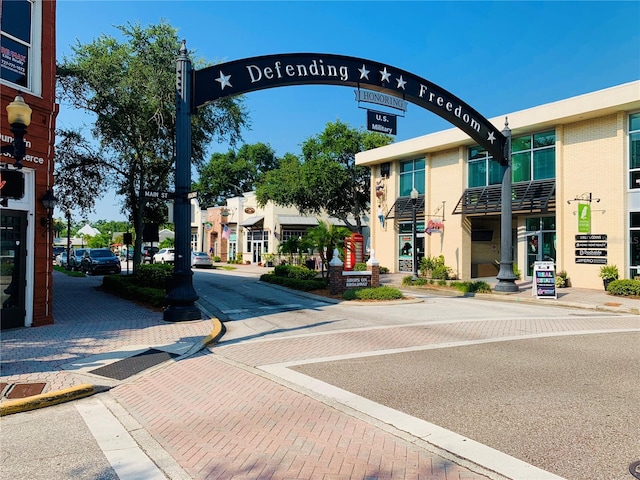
(498, 57)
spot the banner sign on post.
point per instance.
(544, 278)
(382, 122)
(584, 217)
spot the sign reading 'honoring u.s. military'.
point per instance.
(382, 122)
(270, 71)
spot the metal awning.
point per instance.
(526, 197)
(297, 221)
(402, 209)
(253, 222)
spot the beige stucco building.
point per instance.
(575, 195)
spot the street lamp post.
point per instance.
(181, 296)
(414, 208)
(19, 117)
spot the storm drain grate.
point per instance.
(130, 366)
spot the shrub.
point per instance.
(304, 285)
(154, 275)
(124, 286)
(216, 259)
(472, 287)
(434, 267)
(624, 288)
(294, 271)
(561, 279)
(384, 270)
(372, 293)
(360, 267)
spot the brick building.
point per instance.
(28, 43)
(575, 194)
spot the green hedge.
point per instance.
(373, 293)
(624, 288)
(294, 283)
(472, 287)
(294, 271)
(154, 275)
(125, 286)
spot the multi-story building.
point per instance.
(28, 44)
(575, 192)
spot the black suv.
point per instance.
(148, 253)
(98, 260)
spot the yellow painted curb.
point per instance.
(217, 331)
(46, 399)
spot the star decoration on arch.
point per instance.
(224, 80)
(491, 138)
(364, 73)
(385, 75)
(401, 82)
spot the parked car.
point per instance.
(148, 253)
(166, 255)
(200, 259)
(76, 258)
(96, 260)
(61, 259)
(57, 251)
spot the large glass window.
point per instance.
(412, 175)
(634, 150)
(482, 169)
(533, 158)
(16, 40)
(634, 244)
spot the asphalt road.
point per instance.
(566, 404)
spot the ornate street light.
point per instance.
(49, 202)
(414, 207)
(19, 117)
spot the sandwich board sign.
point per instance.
(544, 280)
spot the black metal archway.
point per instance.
(195, 88)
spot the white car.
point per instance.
(165, 255)
(200, 259)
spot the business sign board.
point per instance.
(594, 236)
(382, 122)
(591, 261)
(584, 217)
(544, 277)
(381, 99)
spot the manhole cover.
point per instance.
(24, 390)
(634, 468)
(130, 366)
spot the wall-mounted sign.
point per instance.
(382, 122)
(381, 99)
(584, 217)
(591, 252)
(434, 226)
(593, 236)
(249, 210)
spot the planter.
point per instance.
(606, 282)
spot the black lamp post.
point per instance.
(19, 117)
(414, 208)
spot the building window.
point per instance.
(634, 244)
(482, 169)
(533, 157)
(634, 151)
(19, 22)
(289, 234)
(412, 175)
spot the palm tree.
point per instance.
(325, 237)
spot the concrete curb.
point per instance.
(48, 399)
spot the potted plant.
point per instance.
(608, 273)
(562, 280)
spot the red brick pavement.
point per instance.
(225, 422)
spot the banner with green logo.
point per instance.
(584, 217)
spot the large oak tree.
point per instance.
(326, 179)
(128, 85)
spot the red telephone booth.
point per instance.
(353, 251)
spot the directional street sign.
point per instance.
(158, 195)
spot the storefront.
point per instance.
(26, 234)
(575, 170)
